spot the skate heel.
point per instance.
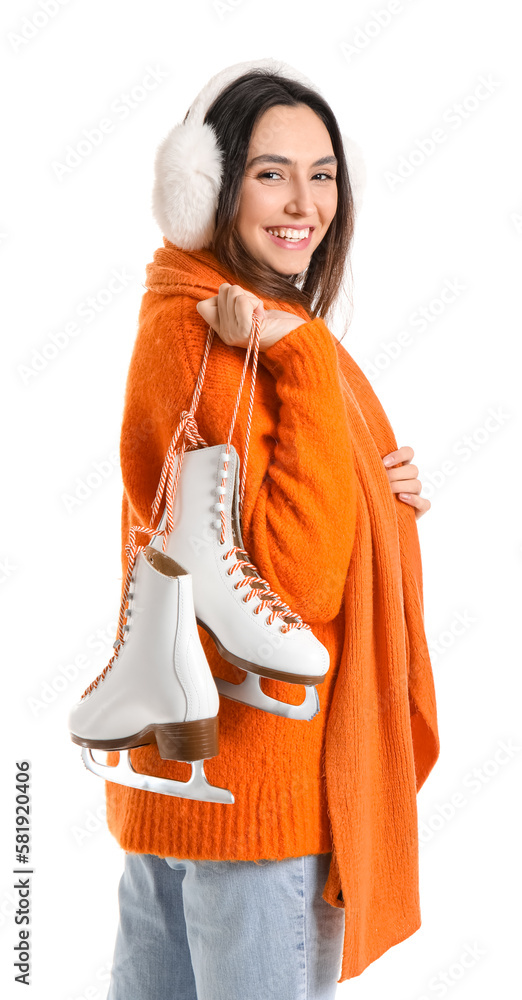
(195, 740)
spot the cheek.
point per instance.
(256, 205)
(329, 203)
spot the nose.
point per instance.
(301, 201)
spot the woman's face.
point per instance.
(290, 186)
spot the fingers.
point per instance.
(235, 307)
(403, 477)
(404, 454)
(402, 471)
(243, 314)
(229, 313)
(408, 485)
(228, 317)
(421, 504)
(235, 291)
(399, 483)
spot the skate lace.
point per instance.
(187, 434)
(269, 599)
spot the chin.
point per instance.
(289, 271)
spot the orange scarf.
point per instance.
(380, 729)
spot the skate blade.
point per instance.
(197, 786)
(249, 692)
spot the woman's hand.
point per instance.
(229, 313)
(404, 478)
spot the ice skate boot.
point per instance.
(157, 688)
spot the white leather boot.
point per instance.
(158, 687)
(250, 624)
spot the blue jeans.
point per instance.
(226, 930)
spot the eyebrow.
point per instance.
(275, 158)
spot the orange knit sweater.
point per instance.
(323, 527)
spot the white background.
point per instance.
(456, 217)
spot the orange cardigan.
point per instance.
(323, 527)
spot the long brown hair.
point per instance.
(233, 116)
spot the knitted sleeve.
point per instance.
(299, 512)
(304, 517)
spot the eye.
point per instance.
(268, 173)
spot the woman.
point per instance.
(313, 870)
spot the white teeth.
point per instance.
(290, 234)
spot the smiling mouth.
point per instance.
(293, 234)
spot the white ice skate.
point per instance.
(157, 688)
(201, 528)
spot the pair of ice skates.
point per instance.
(158, 686)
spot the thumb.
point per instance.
(206, 308)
